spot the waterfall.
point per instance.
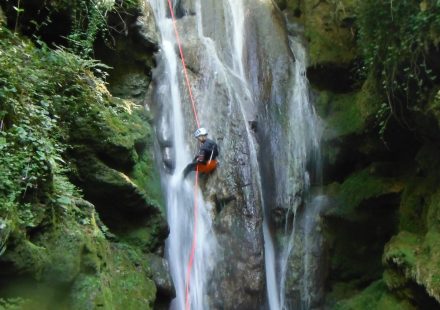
(252, 95)
(303, 145)
(180, 194)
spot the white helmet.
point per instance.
(200, 132)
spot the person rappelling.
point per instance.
(205, 161)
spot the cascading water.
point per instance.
(303, 143)
(180, 193)
(253, 97)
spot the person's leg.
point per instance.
(190, 167)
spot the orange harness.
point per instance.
(208, 167)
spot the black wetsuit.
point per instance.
(208, 151)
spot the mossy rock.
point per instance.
(146, 176)
(329, 29)
(361, 187)
(394, 280)
(417, 259)
(349, 113)
(419, 207)
(106, 132)
(349, 129)
(401, 250)
(59, 252)
(341, 114)
(114, 164)
(125, 282)
(414, 205)
(375, 296)
(362, 221)
(124, 206)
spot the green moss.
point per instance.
(145, 235)
(119, 133)
(375, 297)
(13, 303)
(361, 186)
(413, 207)
(428, 265)
(344, 116)
(433, 214)
(125, 148)
(389, 301)
(329, 47)
(124, 283)
(147, 177)
(328, 41)
(394, 280)
(340, 291)
(400, 251)
(416, 259)
(28, 257)
(348, 113)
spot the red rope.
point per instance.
(194, 240)
(193, 247)
(182, 57)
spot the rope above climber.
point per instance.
(205, 161)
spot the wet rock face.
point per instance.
(145, 26)
(238, 280)
(381, 184)
(186, 7)
(329, 28)
(131, 55)
(161, 277)
(111, 179)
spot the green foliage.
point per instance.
(42, 93)
(396, 38)
(12, 304)
(84, 20)
(89, 20)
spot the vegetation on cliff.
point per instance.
(66, 143)
(375, 69)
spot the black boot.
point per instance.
(190, 167)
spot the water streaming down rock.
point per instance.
(250, 97)
(180, 194)
(289, 137)
(299, 251)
